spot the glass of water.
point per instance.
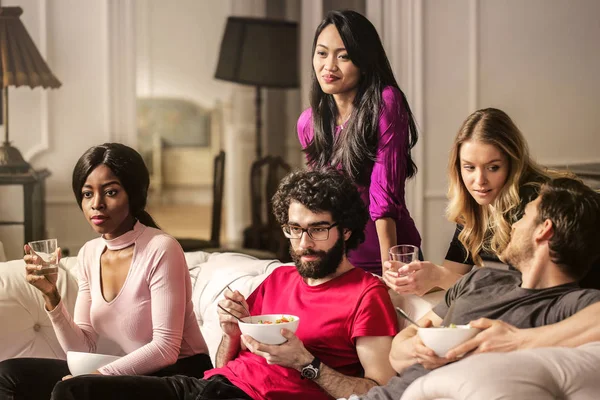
(403, 254)
(47, 253)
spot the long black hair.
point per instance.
(356, 151)
(127, 165)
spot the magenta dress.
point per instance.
(384, 196)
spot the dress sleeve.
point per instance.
(375, 315)
(456, 251)
(386, 188)
(167, 280)
(304, 128)
(76, 334)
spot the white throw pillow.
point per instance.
(545, 373)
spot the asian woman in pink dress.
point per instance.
(360, 122)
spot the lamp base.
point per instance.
(11, 160)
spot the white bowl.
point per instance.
(86, 363)
(441, 340)
(268, 333)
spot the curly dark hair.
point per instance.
(324, 190)
(574, 210)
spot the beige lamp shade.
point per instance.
(20, 61)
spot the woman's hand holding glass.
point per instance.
(404, 274)
(45, 283)
(417, 277)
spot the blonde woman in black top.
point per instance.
(491, 179)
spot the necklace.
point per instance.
(345, 119)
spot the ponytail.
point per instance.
(146, 219)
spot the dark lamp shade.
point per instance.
(20, 61)
(259, 52)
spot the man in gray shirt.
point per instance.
(552, 246)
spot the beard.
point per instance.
(327, 264)
(517, 253)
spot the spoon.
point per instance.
(405, 316)
(241, 304)
(229, 312)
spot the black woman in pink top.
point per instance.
(134, 286)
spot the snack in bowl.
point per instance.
(443, 339)
(267, 328)
(85, 363)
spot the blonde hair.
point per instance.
(487, 228)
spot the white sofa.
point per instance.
(25, 330)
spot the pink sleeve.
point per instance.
(304, 128)
(386, 189)
(375, 315)
(167, 282)
(76, 334)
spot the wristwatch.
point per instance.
(311, 371)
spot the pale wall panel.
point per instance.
(179, 48)
(76, 35)
(446, 78)
(439, 230)
(539, 61)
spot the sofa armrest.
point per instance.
(26, 330)
(238, 271)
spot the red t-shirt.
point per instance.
(332, 315)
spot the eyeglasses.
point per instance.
(316, 233)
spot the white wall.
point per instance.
(88, 46)
(178, 49)
(60, 124)
(537, 60)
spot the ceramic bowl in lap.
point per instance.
(85, 363)
(267, 328)
(443, 339)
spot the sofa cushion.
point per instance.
(545, 373)
(26, 326)
(241, 272)
(217, 271)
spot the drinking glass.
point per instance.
(403, 254)
(47, 252)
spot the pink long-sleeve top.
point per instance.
(152, 318)
(384, 196)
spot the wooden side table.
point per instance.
(34, 202)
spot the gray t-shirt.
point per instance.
(495, 294)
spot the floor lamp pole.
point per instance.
(11, 159)
(258, 104)
(5, 114)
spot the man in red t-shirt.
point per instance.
(347, 320)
